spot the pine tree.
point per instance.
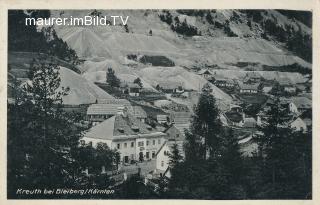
(43, 134)
(112, 79)
(206, 124)
(175, 157)
(138, 81)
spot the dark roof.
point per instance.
(234, 116)
(205, 71)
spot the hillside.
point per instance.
(81, 91)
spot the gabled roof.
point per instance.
(234, 116)
(104, 109)
(138, 112)
(301, 102)
(181, 117)
(204, 71)
(179, 129)
(169, 85)
(120, 126)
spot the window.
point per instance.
(132, 144)
(159, 141)
(147, 142)
(162, 163)
(125, 145)
(118, 146)
(154, 142)
(82, 142)
(153, 154)
(140, 144)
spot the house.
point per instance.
(163, 119)
(133, 89)
(163, 157)
(139, 113)
(206, 74)
(235, 108)
(234, 118)
(252, 77)
(299, 105)
(182, 117)
(303, 122)
(224, 82)
(290, 89)
(174, 133)
(249, 88)
(249, 122)
(99, 112)
(133, 139)
(170, 87)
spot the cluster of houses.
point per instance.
(124, 127)
(142, 135)
(254, 82)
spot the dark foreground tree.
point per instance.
(207, 171)
(43, 140)
(287, 159)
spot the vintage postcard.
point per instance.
(159, 103)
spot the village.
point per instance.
(189, 104)
(143, 125)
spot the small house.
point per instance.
(299, 105)
(249, 88)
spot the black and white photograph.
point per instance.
(201, 104)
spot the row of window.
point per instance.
(140, 144)
(125, 145)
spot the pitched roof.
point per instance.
(204, 71)
(114, 101)
(122, 127)
(302, 102)
(173, 128)
(182, 127)
(234, 116)
(138, 112)
(103, 109)
(169, 85)
(181, 117)
(253, 75)
(244, 86)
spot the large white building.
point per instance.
(133, 138)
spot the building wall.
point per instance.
(293, 108)
(162, 159)
(96, 141)
(299, 125)
(150, 145)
